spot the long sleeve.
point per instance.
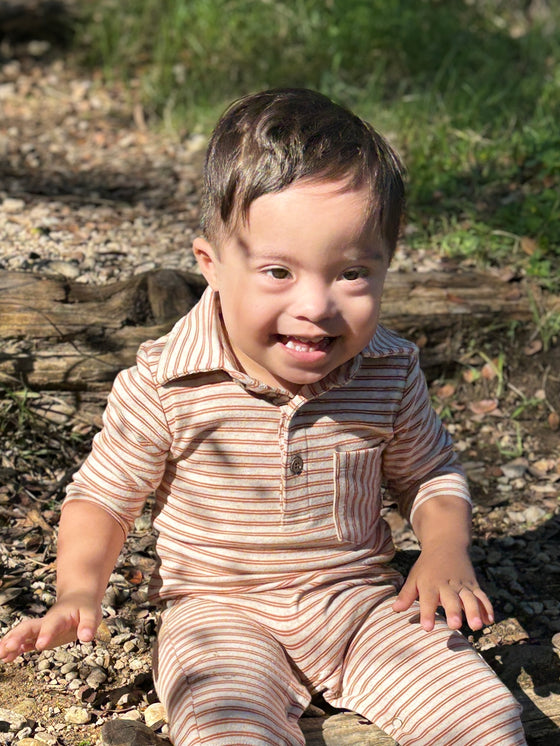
(129, 454)
(419, 462)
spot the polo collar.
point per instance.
(197, 344)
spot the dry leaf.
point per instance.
(554, 421)
(544, 465)
(445, 391)
(490, 370)
(533, 347)
(528, 245)
(483, 406)
(134, 576)
(34, 518)
(471, 375)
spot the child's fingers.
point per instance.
(455, 602)
(486, 608)
(89, 622)
(406, 597)
(19, 640)
(429, 601)
(478, 609)
(470, 601)
(56, 629)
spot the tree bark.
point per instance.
(61, 335)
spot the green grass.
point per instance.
(468, 91)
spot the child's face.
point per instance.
(300, 282)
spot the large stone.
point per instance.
(11, 720)
(128, 733)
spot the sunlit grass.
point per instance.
(468, 91)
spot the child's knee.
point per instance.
(226, 683)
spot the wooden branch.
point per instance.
(62, 335)
(541, 720)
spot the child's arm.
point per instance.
(443, 574)
(89, 543)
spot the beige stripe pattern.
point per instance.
(256, 489)
(273, 551)
(230, 670)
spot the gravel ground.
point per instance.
(87, 191)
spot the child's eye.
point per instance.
(278, 273)
(355, 273)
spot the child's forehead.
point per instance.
(316, 194)
(333, 210)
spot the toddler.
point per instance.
(267, 422)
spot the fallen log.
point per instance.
(540, 716)
(529, 670)
(30, 20)
(61, 335)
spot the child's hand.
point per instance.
(447, 579)
(72, 617)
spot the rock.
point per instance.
(515, 469)
(155, 716)
(12, 205)
(26, 706)
(26, 732)
(534, 514)
(77, 715)
(14, 720)
(128, 733)
(96, 678)
(68, 667)
(62, 656)
(29, 742)
(46, 739)
(132, 715)
(66, 269)
(103, 633)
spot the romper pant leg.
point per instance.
(224, 680)
(425, 688)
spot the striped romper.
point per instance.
(273, 555)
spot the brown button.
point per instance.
(296, 464)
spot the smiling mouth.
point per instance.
(300, 344)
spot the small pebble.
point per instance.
(155, 716)
(96, 678)
(132, 715)
(12, 205)
(77, 715)
(45, 738)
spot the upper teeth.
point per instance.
(297, 343)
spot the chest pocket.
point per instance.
(357, 493)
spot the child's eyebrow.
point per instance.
(351, 253)
(266, 254)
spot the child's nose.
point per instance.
(314, 302)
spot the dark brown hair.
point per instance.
(267, 141)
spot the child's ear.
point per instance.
(207, 258)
